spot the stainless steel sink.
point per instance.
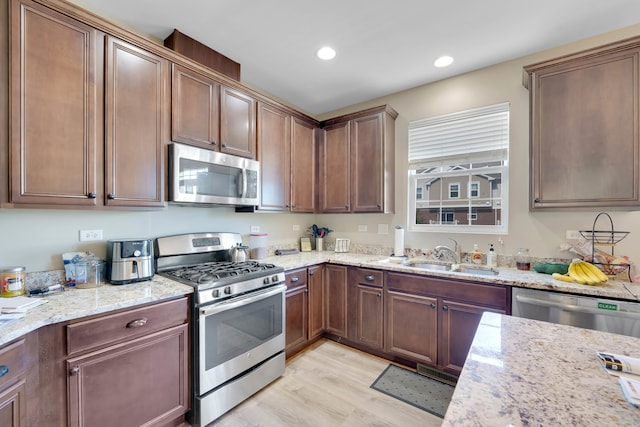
(426, 265)
(430, 266)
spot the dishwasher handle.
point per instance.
(577, 308)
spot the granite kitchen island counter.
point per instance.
(523, 372)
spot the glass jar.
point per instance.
(523, 261)
(12, 281)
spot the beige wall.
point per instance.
(542, 232)
(37, 238)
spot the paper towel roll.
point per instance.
(398, 247)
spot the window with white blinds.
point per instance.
(458, 171)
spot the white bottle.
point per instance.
(491, 257)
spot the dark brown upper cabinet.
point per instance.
(584, 128)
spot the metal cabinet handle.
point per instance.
(433, 305)
(445, 308)
(111, 196)
(368, 277)
(378, 205)
(74, 371)
(224, 145)
(536, 200)
(214, 143)
(4, 370)
(306, 291)
(311, 273)
(137, 323)
(346, 206)
(92, 195)
(295, 278)
(379, 295)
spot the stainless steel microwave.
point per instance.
(198, 175)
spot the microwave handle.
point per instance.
(242, 187)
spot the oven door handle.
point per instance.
(247, 299)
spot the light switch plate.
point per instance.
(90, 235)
(362, 228)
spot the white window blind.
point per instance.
(480, 134)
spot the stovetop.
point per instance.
(211, 274)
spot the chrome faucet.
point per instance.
(441, 252)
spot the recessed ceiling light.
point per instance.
(443, 61)
(326, 53)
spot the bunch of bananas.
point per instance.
(582, 272)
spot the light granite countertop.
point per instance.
(523, 372)
(77, 303)
(507, 276)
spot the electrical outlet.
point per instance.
(383, 228)
(255, 228)
(296, 227)
(90, 235)
(362, 228)
(572, 235)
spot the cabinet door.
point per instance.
(237, 123)
(367, 165)
(138, 382)
(56, 115)
(297, 319)
(274, 140)
(585, 131)
(315, 284)
(136, 125)
(335, 177)
(412, 327)
(303, 166)
(13, 405)
(370, 319)
(195, 114)
(458, 324)
(336, 300)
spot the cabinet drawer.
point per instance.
(112, 328)
(12, 362)
(367, 276)
(296, 278)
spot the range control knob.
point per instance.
(274, 279)
(227, 290)
(216, 293)
(266, 281)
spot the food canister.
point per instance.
(12, 281)
(258, 243)
(90, 273)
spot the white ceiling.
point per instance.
(383, 46)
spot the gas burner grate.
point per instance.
(210, 272)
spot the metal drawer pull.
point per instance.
(295, 278)
(137, 323)
(74, 371)
(445, 308)
(368, 277)
(433, 305)
(4, 370)
(379, 295)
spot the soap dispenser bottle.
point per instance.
(476, 255)
(491, 257)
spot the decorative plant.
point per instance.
(318, 232)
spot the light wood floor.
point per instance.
(327, 385)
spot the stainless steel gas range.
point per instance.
(238, 334)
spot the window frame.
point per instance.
(496, 156)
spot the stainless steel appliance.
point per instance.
(200, 176)
(129, 260)
(618, 317)
(238, 319)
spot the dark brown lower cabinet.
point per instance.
(433, 321)
(411, 331)
(335, 302)
(140, 382)
(12, 405)
(316, 301)
(365, 321)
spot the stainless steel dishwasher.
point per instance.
(619, 317)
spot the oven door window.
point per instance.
(231, 333)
